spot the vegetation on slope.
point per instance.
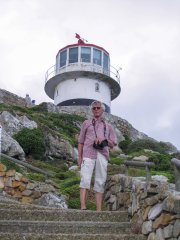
(66, 126)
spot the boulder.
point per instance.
(160, 178)
(58, 147)
(13, 124)
(141, 158)
(11, 147)
(51, 200)
(73, 168)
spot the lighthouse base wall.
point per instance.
(81, 102)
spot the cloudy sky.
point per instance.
(142, 37)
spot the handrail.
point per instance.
(26, 165)
(85, 66)
(176, 164)
(147, 165)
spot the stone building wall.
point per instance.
(154, 207)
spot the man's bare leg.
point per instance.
(99, 199)
(83, 197)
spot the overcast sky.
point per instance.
(142, 37)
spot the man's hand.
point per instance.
(98, 140)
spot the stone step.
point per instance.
(56, 227)
(62, 215)
(8, 236)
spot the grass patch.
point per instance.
(116, 160)
(36, 176)
(136, 172)
(11, 165)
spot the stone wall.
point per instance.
(13, 184)
(154, 207)
(11, 99)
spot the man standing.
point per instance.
(96, 136)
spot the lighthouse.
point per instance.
(81, 75)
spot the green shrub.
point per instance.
(176, 155)
(32, 141)
(125, 143)
(74, 203)
(141, 144)
(162, 161)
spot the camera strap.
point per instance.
(94, 123)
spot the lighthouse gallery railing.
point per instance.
(81, 66)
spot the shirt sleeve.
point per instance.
(112, 135)
(82, 134)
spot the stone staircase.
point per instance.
(25, 222)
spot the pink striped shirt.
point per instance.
(87, 137)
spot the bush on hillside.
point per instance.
(141, 144)
(162, 162)
(125, 143)
(32, 141)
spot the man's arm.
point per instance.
(80, 153)
(112, 140)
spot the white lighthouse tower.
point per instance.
(82, 74)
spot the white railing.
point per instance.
(82, 66)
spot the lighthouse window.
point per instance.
(73, 55)
(85, 54)
(63, 57)
(96, 56)
(105, 62)
(97, 87)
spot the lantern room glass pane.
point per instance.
(73, 55)
(105, 62)
(63, 58)
(85, 54)
(96, 56)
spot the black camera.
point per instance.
(101, 145)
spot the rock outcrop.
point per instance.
(121, 126)
(11, 99)
(58, 147)
(12, 124)
(11, 147)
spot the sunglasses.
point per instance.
(94, 108)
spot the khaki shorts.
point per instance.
(100, 167)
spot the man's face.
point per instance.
(97, 110)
